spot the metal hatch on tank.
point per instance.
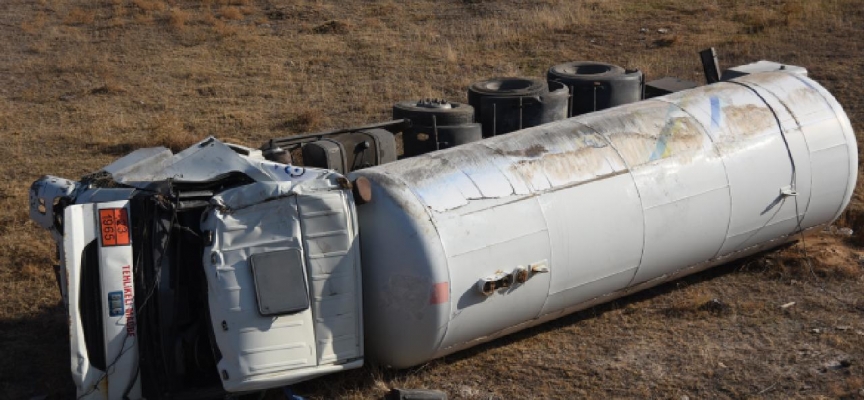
(468, 244)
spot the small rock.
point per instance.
(593, 41)
(816, 330)
(859, 333)
(787, 305)
(843, 328)
(839, 231)
(643, 30)
(715, 306)
(861, 392)
(838, 364)
(721, 365)
(685, 397)
(662, 30)
(468, 391)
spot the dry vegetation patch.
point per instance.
(86, 81)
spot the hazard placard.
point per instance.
(114, 226)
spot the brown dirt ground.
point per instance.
(82, 82)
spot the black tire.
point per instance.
(509, 87)
(419, 139)
(595, 86)
(588, 71)
(504, 105)
(457, 114)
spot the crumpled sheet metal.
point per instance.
(205, 161)
(259, 192)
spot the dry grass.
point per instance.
(86, 81)
(79, 17)
(232, 13)
(178, 18)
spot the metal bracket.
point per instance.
(788, 191)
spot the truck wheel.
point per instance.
(504, 105)
(596, 86)
(445, 113)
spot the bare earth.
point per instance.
(83, 82)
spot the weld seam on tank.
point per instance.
(722, 158)
(779, 127)
(431, 219)
(638, 194)
(794, 178)
(830, 106)
(722, 163)
(435, 156)
(800, 128)
(849, 134)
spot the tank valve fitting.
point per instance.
(362, 190)
(522, 274)
(539, 268)
(488, 285)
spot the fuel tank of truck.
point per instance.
(468, 244)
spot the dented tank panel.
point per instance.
(467, 244)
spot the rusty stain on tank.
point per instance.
(750, 119)
(534, 151)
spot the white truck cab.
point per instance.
(205, 272)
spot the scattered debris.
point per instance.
(844, 231)
(787, 305)
(835, 365)
(466, 391)
(108, 89)
(763, 391)
(332, 26)
(415, 394)
(715, 306)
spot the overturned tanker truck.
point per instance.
(223, 269)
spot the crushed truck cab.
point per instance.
(208, 271)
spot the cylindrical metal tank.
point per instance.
(467, 244)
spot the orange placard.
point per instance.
(114, 225)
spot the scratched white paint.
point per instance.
(612, 202)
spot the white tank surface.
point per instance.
(471, 243)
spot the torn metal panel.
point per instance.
(206, 161)
(249, 195)
(45, 193)
(270, 339)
